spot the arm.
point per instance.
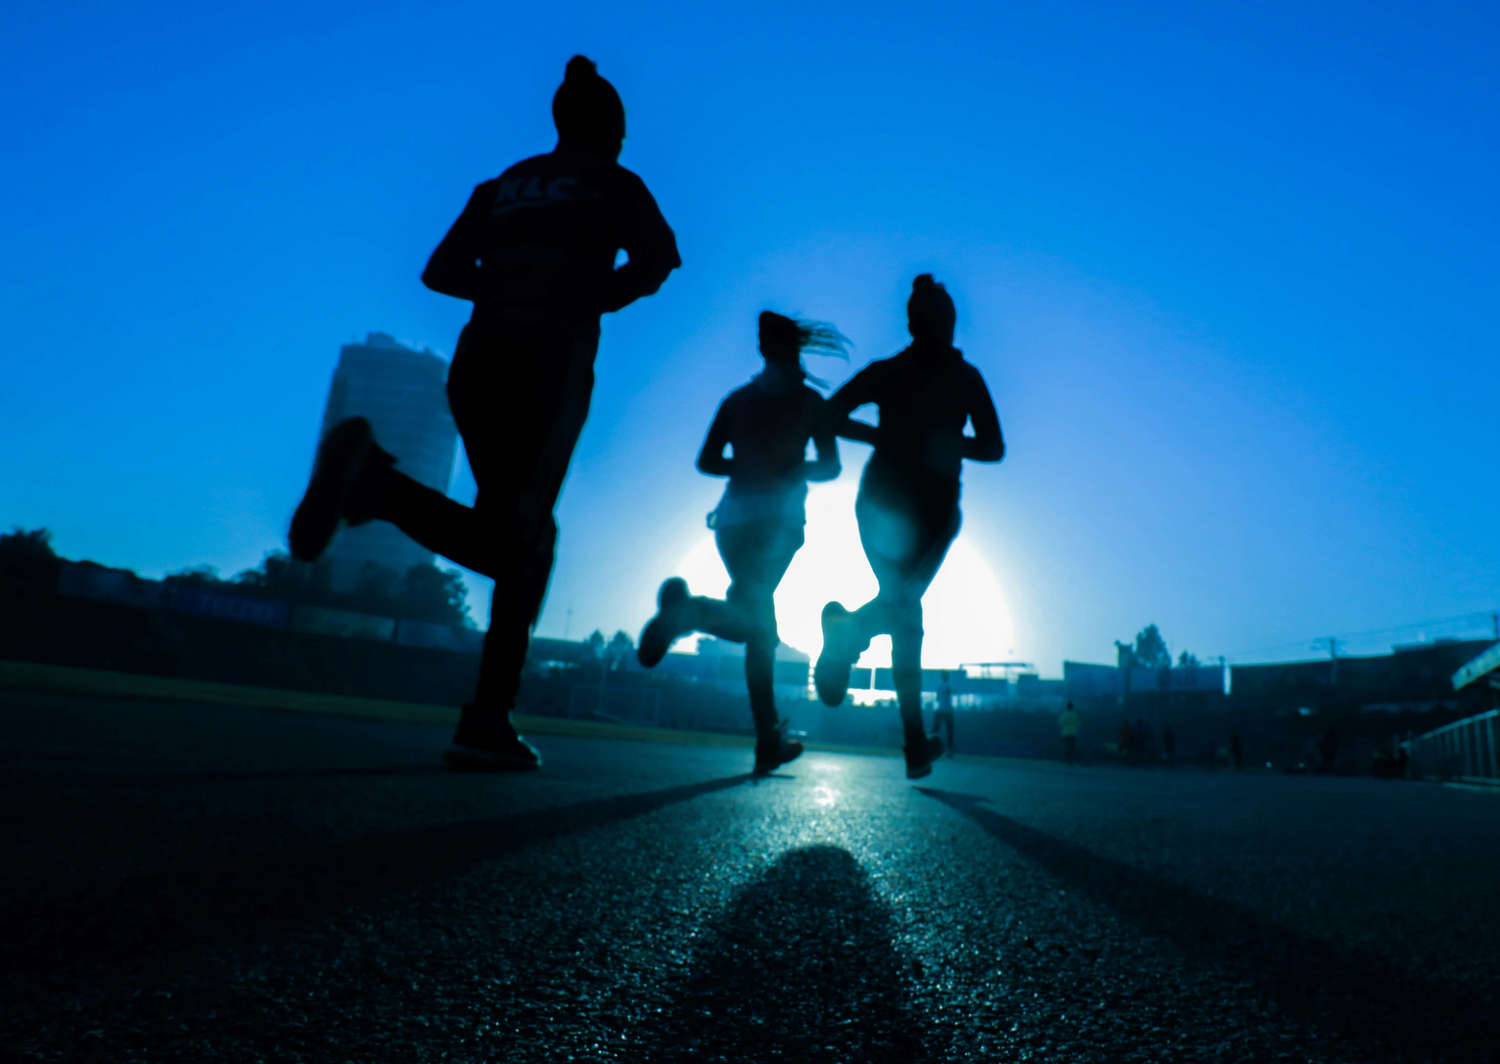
(652, 251)
(987, 444)
(711, 460)
(453, 269)
(856, 392)
(826, 467)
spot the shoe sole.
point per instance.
(657, 637)
(918, 772)
(654, 644)
(471, 760)
(831, 673)
(340, 457)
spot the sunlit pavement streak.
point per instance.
(219, 884)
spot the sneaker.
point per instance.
(919, 758)
(777, 751)
(831, 674)
(671, 621)
(342, 457)
(488, 742)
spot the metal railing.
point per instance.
(1464, 750)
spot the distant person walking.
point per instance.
(1068, 726)
(1169, 745)
(535, 252)
(758, 524)
(942, 716)
(907, 506)
(1236, 749)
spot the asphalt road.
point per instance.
(206, 883)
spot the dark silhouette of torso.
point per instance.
(768, 425)
(925, 397)
(539, 242)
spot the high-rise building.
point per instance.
(403, 393)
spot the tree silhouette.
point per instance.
(424, 593)
(620, 647)
(1151, 649)
(204, 576)
(435, 595)
(27, 560)
(278, 576)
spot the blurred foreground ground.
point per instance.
(189, 882)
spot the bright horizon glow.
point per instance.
(966, 617)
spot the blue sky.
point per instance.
(1230, 274)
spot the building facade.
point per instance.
(403, 393)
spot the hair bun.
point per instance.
(930, 314)
(581, 66)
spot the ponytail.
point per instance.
(784, 340)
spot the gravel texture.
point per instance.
(205, 883)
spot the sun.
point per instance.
(965, 614)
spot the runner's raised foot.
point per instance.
(343, 456)
(831, 674)
(670, 623)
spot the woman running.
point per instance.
(758, 525)
(534, 251)
(908, 499)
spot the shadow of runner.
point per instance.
(1331, 988)
(801, 967)
(235, 902)
(61, 781)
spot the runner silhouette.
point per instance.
(907, 506)
(758, 524)
(535, 251)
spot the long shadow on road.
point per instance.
(234, 902)
(802, 966)
(64, 780)
(1333, 989)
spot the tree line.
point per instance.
(28, 562)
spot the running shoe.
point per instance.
(919, 758)
(488, 742)
(776, 751)
(670, 622)
(342, 457)
(831, 674)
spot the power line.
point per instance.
(1322, 643)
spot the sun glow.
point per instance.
(964, 610)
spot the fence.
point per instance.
(1464, 750)
(638, 705)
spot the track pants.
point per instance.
(519, 395)
(906, 528)
(757, 554)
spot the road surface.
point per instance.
(203, 883)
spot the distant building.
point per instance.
(403, 393)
